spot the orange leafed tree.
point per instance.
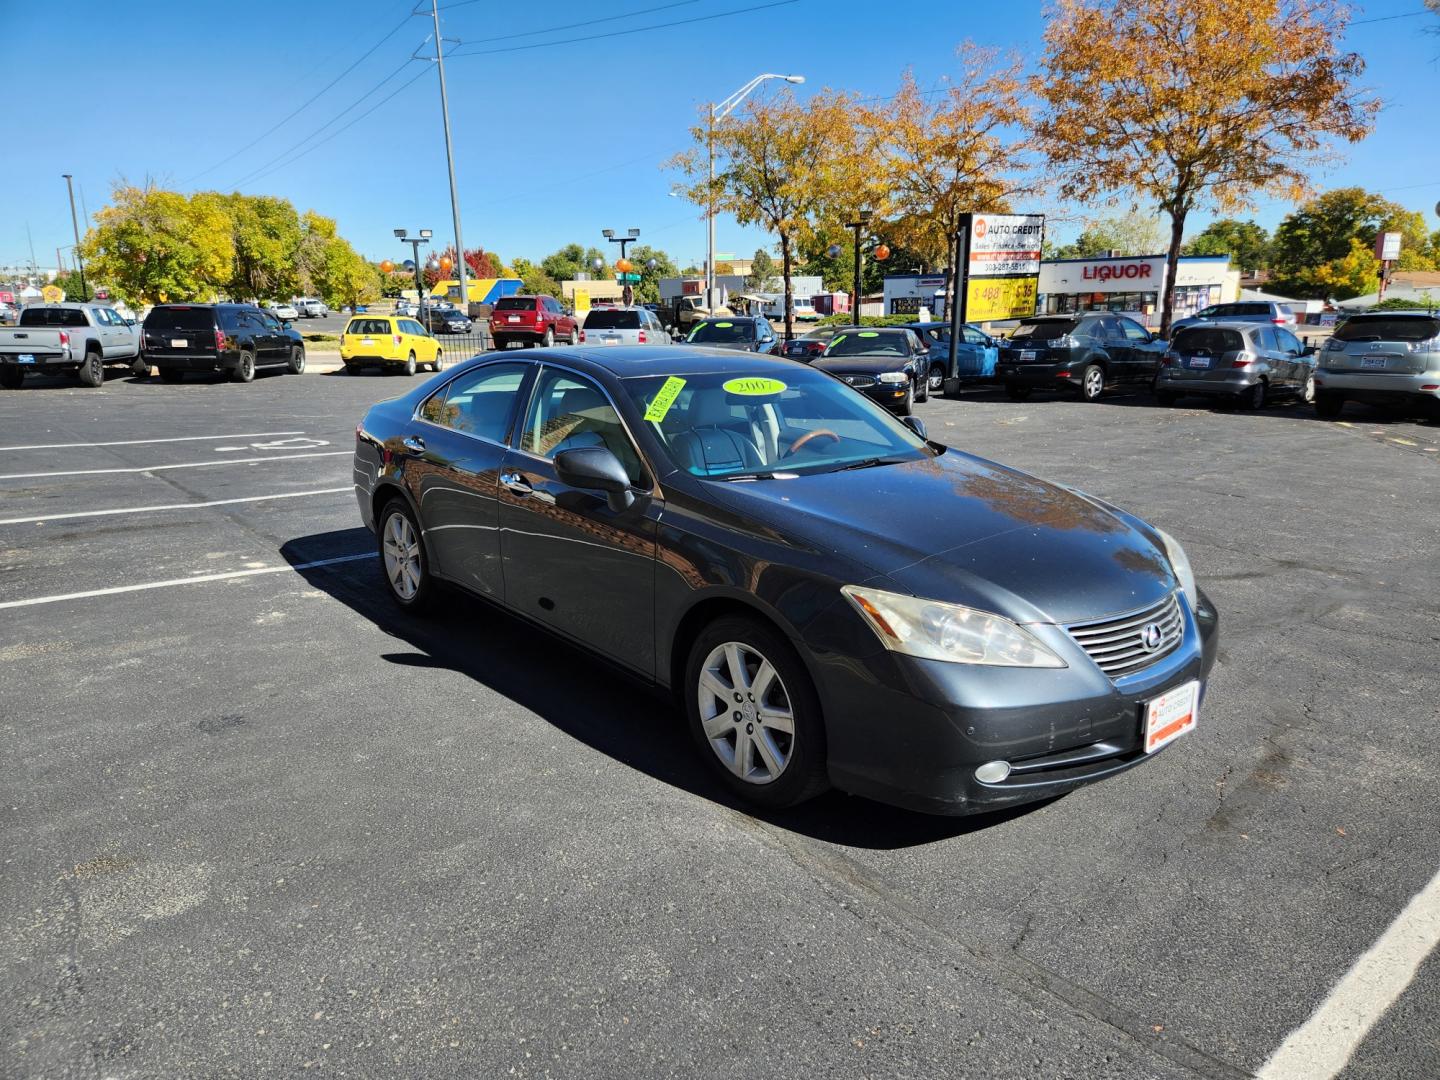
(940, 156)
(1195, 103)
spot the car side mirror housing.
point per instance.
(1310, 350)
(285, 326)
(915, 424)
(596, 468)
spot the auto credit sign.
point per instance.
(1002, 245)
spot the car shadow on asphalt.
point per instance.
(588, 699)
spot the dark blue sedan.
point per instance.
(975, 356)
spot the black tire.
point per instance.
(171, 375)
(297, 361)
(575, 336)
(1307, 389)
(1166, 397)
(11, 377)
(140, 368)
(908, 405)
(425, 589)
(500, 342)
(1252, 398)
(803, 775)
(1092, 382)
(548, 338)
(922, 388)
(935, 381)
(1017, 391)
(1328, 406)
(92, 370)
(409, 368)
(244, 370)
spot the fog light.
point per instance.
(992, 772)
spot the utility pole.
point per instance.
(862, 219)
(460, 267)
(75, 224)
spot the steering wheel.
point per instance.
(803, 439)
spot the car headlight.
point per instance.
(935, 630)
(894, 377)
(1180, 563)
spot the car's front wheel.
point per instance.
(937, 378)
(1307, 389)
(754, 713)
(402, 557)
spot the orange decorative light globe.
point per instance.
(624, 265)
(446, 263)
(386, 266)
(882, 253)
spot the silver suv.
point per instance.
(1261, 311)
(622, 326)
(1383, 358)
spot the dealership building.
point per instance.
(1129, 284)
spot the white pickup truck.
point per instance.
(78, 338)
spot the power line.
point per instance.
(1387, 18)
(302, 107)
(633, 30)
(572, 26)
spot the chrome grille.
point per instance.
(1117, 644)
(860, 381)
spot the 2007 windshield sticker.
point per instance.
(754, 387)
(665, 398)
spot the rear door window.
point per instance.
(1389, 328)
(1265, 337)
(479, 403)
(1134, 331)
(180, 318)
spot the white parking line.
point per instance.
(198, 579)
(183, 465)
(170, 506)
(144, 442)
(1322, 1046)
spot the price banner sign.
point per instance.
(991, 298)
(1001, 265)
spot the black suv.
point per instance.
(233, 338)
(1085, 352)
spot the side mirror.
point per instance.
(129, 322)
(1310, 350)
(285, 325)
(915, 424)
(595, 468)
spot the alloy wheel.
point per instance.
(1307, 395)
(1094, 382)
(401, 551)
(937, 378)
(746, 712)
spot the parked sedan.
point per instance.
(830, 598)
(1389, 358)
(747, 333)
(1250, 363)
(976, 354)
(283, 312)
(1085, 352)
(812, 343)
(886, 365)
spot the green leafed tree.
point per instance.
(533, 278)
(267, 234)
(1318, 250)
(1247, 243)
(648, 291)
(153, 245)
(762, 272)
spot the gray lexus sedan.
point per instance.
(832, 598)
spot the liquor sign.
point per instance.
(1387, 246)
(999, 258)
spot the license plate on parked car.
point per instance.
(512, 318)
(1372, 361)
(25, 358)
(1170, 715)
(1027, 354)
(611, 340)
(179, 343)
(1199, 362)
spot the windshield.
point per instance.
(515, 303)
(723, 331)
(180, 318)
(1045, 329)
(612, 319)
(868, 343)
(1388, 328)
(722, 425)
(48, 316)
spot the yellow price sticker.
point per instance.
(754, 387)
(664, 399)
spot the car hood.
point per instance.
(859, 365)
(962, 529)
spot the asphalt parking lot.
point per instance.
(257, 823)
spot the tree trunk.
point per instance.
(785, 264)
(1172, 260)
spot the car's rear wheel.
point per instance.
(575, 336)
(11, 377)
(1166, 397)
(140, 368)
(92, 370)
(244, 368)
(1328, 406)
(936, 379)
(1253, 397)
(297, 361)
(171, 375)
(754, 713)
(1092, 382)
(402, 557)
(1017, 391)
(549, 338)
(410, 364)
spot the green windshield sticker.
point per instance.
(868, 333)
(755, 387)
(664, 399)
(838, 338)
(724, 325)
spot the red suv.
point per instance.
(535, 320)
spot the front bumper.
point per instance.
(1381, 388)
(911, 732)
(890, 395)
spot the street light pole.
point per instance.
(75, 224)
(863, 219)
(718, 111)
(627, 294)
(450, 162)
(415, 242)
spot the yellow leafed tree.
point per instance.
(1195, 103)
(941, 156)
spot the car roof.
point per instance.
(1414, 313)
(731, 318)
(1225, 324)
(646, 361)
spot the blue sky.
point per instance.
(553, 143)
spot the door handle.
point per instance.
(516, 484)
(413, 442)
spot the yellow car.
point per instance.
(389, 342)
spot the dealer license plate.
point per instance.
(1199, 362)
(512, 318)
(25, 358)
(1372, 361)
(179, 343)
(1170, 715)
(611, 340)
(1027, 354)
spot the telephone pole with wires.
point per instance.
(439, 61)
